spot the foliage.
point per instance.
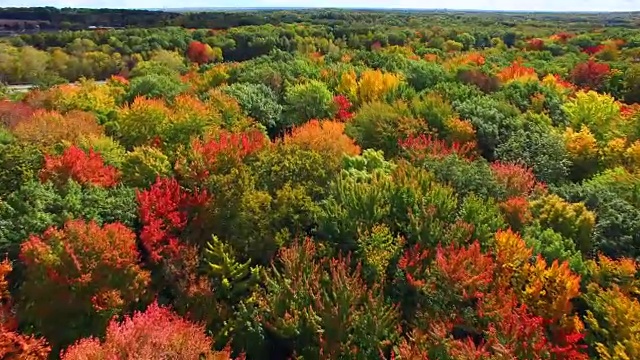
(82, 274)
(325, 137)
(34, 207)
(311, 100)
(156, 333)
(379, 126)
(142, 166)
(259, 102)
(74, 164)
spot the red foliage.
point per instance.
(13, 345)
(198, 53)
(376, 46)
(562, 37)
(517, 179)
(464, 270)
(12, 113)
(165, 210)
(80, 276)
(208, 158)
(485, 82)
(79, 166)
(343, 106)
(423, 146)
(535, 44)
(155, 334)
(592, 50)
(590, 74)
(516, 211)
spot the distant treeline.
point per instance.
(50, 18)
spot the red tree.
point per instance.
(590, 74)
(165, 210)
(155, 334)
(199, 53)
(80, 276)
(79, 166)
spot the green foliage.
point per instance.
(34, 207)
(155, 86)
(259, 102)
(365, 165)
(485, 217)
(306, 101)
(425, 75)
(318, 308)
(553, 246)
(572, 220)
(231, 278)
(539, 148)
(379, 126)
(143, 165)
(19, 164)
(495, 122)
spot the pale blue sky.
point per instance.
(540, 5)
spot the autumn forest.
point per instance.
(319, 184)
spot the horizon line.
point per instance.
(265, 8)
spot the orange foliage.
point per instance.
(49, 128)
(13, 345)
(516, 211)
(517, 72)
(516, 179)
(326, 137)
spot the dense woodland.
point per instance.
(330, 185)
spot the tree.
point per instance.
(79, 275)
(310, 100)
(155, 334)
(259, 102)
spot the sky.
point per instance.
(535, 5)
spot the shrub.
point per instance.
(572, 220)
(80, 276)
(600, 113)
(325, 310)
(155, 86)
(539, 149)
(590, 74)
(516, 179)
(165, 210)
(13, 345)
(34, 207)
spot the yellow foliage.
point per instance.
(326, 137)
(46, 129)
(374, 85)
(511, 251)
(581, 146)
(572, 220)
(348, 84)
(621, 272)
(460, 131)
(632, 156)
(548, 290)
(614, 152)
(87, 96)
(614, 322)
